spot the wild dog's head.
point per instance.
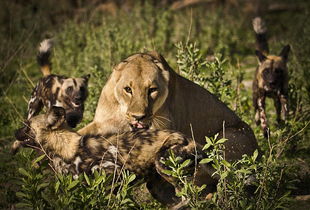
(38, 128)
(272, 70)
(71, 96)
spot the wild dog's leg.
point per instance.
(35, 104)
(255, 103)
(277, 104)
(284, 106)
(255, 95)
(262, 114)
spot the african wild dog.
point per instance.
(57, 90)
(139, 152)
(271, 78)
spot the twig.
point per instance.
(196, 162)
(190, 28)
(27, 77)
(9, 100)
(114, 174)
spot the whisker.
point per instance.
(165, 118)
(159, 122)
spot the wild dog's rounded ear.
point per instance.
(55, 117)
(285, 51)
(261, 57)
(21, 134)
(86, 77)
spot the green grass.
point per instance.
(93, 44)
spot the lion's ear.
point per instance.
(158, 57)
(55, 117)
(155, 55)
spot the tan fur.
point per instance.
(62, 140)
(140, 152)
(178, 104)
(46, 70)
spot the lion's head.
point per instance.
(141, 87)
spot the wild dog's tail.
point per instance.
(44, 55)
(261, 35)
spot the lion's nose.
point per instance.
(139, 117)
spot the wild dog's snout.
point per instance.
(73, 118)
(21, 134)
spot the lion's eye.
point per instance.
(128, 90)
(151, 90)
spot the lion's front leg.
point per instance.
(90, 128)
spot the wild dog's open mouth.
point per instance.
(76, 104)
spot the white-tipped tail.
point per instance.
(43, 57)
(45, 45)
(259, 25)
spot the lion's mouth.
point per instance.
(135, 125)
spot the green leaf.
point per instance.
(73, 184)
(38, 159)
(221, 141)
(206, 146)
(125, 201)
(255, 154)
(206, 160)
(86, 179)
(224, 175)
(209, 141)
(24, 172)
(131, 178)
(185, 163)
(43, 185)
(23, 205)
(244, 171)
(57, 186)
(167, 172)
(21, 195)
(225, 163)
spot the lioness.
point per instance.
(144, 92)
